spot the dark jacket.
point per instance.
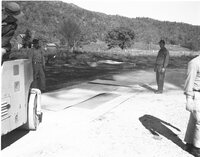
(162, 58)
(9, 26)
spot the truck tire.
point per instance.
(34, 113)
(32, 118)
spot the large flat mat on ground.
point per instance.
(97, 100)
(112, 82)
(60, 100)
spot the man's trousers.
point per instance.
(192, 135)
(160, 76)
(39, 77)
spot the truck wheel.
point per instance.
(32, 118)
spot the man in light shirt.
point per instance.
(192, 92)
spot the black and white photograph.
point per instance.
(100, 78)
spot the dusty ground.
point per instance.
(138, 123)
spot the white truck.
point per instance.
(20, 104)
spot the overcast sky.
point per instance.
(163, 10)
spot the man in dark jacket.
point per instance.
(162, 61)
(9, 25)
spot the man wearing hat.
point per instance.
(162, 61)
(9, 25)
(38, 61)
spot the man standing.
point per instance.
(9, 25)
(192, 92)
(37, 57)
(162, 61)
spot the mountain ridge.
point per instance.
(46, 17)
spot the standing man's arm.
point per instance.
(189, 85)
(155, 66)
(166, 62)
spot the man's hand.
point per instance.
(163, 70)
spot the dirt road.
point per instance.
(128, 120)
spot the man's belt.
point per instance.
(37, 62)
(159, 65)
(196, 90)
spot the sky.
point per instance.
(162, 10)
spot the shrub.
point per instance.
(121, 37)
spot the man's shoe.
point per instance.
(158, 92)
(188, 147)
(195, 151)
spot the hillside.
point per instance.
(46, 18)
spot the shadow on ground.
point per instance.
(159, 127)
(148, 87)
(13, 136)
(57, 77)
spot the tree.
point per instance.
(121, 37)
(71, 32)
